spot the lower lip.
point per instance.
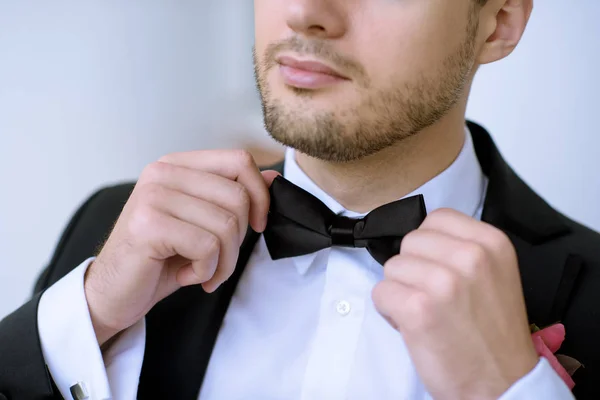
(303, 79)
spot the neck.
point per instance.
(394, 172)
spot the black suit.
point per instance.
(559, 261)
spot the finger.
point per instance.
(423, 274)
(471, 259)
(215, 189)
(465, 227)
(391, 298)
(235, 165)
(212, 218)
(269, 176)
(437, 247)
(177, 238)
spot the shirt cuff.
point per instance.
(541, 383)
(68, 339)
(71, 349)
(123, 361)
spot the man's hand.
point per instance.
(455, 295)
(183, 225)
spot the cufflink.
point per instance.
(79, 391)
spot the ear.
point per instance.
(502, 24)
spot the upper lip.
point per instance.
(309, 65)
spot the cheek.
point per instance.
(388, 57)
(269, 23)
(408, 40)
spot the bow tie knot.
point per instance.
(342, 231)
(299, 224)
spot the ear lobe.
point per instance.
(503, 29)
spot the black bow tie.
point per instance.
(299, 224)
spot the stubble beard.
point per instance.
(383, 117)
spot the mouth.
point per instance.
(308, 74)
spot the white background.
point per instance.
(90, 92)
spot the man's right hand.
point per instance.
(183, 225)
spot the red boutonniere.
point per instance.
(547, 341)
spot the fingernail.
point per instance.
(207, 288)
(261, 226)
(207, 271)
(391, 322)
(211, 288)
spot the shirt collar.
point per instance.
(461, 187)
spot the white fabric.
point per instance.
(300, 328)
(68, 340)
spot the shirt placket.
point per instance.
(341, 317)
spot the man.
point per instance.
(184, 302)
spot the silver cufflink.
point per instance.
(79, 391)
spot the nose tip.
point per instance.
(316, 18)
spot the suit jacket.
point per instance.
(559, 263)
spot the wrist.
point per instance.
(103, 329)
(496, 383)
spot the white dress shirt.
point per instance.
(299, 328)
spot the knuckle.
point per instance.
(422, 311)
(446, 286)
(232, 225)
(142, 221)
(471, 272)
(243, 198)
(419, 303)
(168, 158)
(153, 193)
(473, 260)
(409, 240)
(472, 255)
(391, 267)
(211, 244)
(153, 171)
(245, 158)
(440, 214)
(499, 241)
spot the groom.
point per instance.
(401, 257)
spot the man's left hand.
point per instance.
(455, 295)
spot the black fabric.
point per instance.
(23, 373)
(559, 261)
(300, 224)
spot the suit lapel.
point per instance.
(548, 272)
(180, 335)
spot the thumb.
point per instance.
(270, 176)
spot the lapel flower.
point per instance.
(547, 341)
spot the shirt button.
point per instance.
(343, 307)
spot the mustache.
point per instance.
(319, 49)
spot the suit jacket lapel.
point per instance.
(548, 272)
(180, 334)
